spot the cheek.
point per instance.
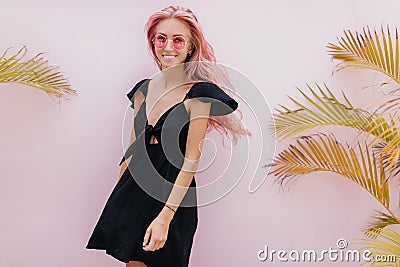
(184, 52)
(157, 51)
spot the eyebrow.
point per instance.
(172, 35)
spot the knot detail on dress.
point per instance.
(136, 148)
(150, 130)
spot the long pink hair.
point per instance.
(203, 68)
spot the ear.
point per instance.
(191, 49)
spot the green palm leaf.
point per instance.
(368, 51)
(325, 110)
(323, 153)
(383, 244)
(383, 130)
(387, 142)
(391, 162)
(380, 221)
(33, 72)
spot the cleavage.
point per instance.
(160, 101)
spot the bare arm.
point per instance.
(199, 114)
(156, 234)
(138, 100)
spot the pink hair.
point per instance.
(204, 65)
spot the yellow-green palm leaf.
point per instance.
(33, 72)
(324, 110)
(380, 221)
(384, 244)
(387, 142)
(364, 50)
(325, 153)
(384, 130)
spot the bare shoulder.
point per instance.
(198, 108)
(155, 82)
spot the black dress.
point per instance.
(144, 187)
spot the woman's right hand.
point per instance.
(156, 234)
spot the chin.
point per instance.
(166, 66)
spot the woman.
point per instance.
(150, 217)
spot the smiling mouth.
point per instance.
(168, 57)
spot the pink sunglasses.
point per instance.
(160, 41)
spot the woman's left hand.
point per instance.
(156, 234)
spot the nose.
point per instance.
(169, 46)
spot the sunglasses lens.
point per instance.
(160, 41)
(179, 43)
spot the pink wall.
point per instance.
(59, 162)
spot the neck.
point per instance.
(174, 76)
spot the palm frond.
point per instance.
(385, 248)
(325, 109)
(387, 142)
(391, 162)
(325, 153)
(33, 72)
(383, 129)
(380, 221)
(367, 51)
(389, 105)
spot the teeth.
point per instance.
(168, 56)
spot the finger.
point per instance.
(147, 236)
(160, 243)
(151, 245)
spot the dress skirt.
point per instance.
(130, 210)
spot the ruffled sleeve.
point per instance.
(133, 91)
(221, 102)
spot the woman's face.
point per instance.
(176, 32)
